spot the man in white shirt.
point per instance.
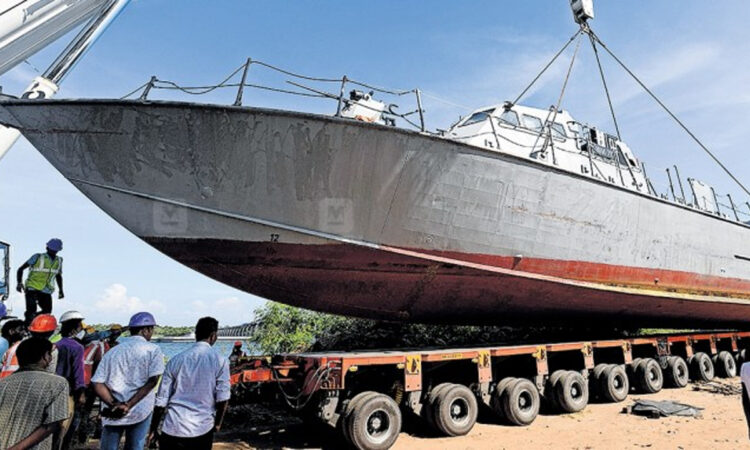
(193, 394)
(745, 377)
(125, 382)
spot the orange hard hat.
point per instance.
(43, 323)
(238, 344)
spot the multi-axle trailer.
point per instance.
(364, 394)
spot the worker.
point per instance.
(236, 354)
(193, 394)
(4, 344)
(94, 349)
(125, 382)
(45, 269)
(44, 326)
(33, 402)
(12, 329)
(745, 381)
(70, 367)
(116, 330)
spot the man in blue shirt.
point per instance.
(45, 269)
(193, 394)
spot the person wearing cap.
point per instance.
(125, 382)
(193, 393)
(44, 326)
(70, 367)
(115, 331)
(33, 402)
(45, 269)
(12, 330)
(236, 354)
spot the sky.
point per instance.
(463, 55)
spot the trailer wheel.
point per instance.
(375, 423)
(740, 358)
(346, 414)
(677, 374)
(550, 393)
(724, 365)
(572, 392)
(520, 402)
(649, 375)
(598, 371)
(701, 367)
(613, 384)
(455, 411)
(428, 412)
(496, 402)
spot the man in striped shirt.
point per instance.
(33, 402)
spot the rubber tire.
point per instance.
(677, 374)
(496, 402)
(427, 413)
(649, 375)
(360, 438)
(551, 391)
(347, 412)
(444, 421)
(724, 365)
(598, 370)
(701, 367)
(510, 400)
(564, 392)
(740, 357)
(608, 384)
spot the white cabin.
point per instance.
(552, 138)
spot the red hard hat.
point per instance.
(43, 323)
(237, 344)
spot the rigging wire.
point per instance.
(572, 38)
(671, 114)
(604, 82)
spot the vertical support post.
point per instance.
(748, 205)
(671, 185)
(147, 89)
(649, 185)
(734, 209)
(716, 201)
(421, 112)
(679, 181)
(494, 132)
(341, 96)
(241, 88)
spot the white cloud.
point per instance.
(115, 305)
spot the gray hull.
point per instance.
(366, 220)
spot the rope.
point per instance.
(378, 89)
(671, 114)
(304, 77)
(604, 82)
(547, 66)
(134, 91)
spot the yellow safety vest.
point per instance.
(42, 274)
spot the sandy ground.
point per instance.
(599, 426)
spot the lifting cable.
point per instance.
(671, 114)
(572, 38)
(604, 82)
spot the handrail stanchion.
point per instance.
(341, 96)
(241, 88)
(419, 107)
(734, 209)
(148, 88)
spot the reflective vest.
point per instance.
(10, 361)
(42, 274)
(91, 356)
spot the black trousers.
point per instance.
(32, 299)
(205, 442)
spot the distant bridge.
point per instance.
(243, 330)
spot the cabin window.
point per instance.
(509, 117)
(558, 131)
(477, 117)
(532, 123)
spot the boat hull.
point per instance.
(371, 221)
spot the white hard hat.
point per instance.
(71, 315)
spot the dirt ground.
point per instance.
(599, 426)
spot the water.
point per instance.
(172, 348)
